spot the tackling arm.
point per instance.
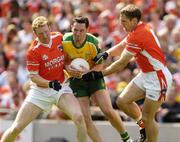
(117, 49)
(114, 51)
(119, 64)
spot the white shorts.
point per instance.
(45, 98)
(156, 84)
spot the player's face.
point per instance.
(127, 24)
(79, 32)
(43, 34)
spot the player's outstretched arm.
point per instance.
(119, 64)
(114, 51)
(114, 67)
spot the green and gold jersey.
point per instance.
(88, 50)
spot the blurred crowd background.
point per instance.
(16, 35)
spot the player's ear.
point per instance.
(72, 27)
(134, 20)
(49, 26)
(34, 31)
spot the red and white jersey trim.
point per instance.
(157, 65)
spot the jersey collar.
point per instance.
(46, 45)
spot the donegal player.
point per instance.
(80, 44)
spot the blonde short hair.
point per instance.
(39, 21)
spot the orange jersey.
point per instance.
(47, 61)
(144, 45)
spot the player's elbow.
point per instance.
(33, 77)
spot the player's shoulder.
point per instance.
(91, 38)
(34, 45)
(141, 29)
(139, 32)
(68, 36)
(56, 34)
(89, 35)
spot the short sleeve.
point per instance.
(132, 45)
(32, 63)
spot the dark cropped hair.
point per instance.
(81, 20)
(131, 11)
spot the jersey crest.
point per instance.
(44, 57)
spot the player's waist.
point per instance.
(151, 68)
(58, 78)
(155, 70)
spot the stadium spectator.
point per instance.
(155, 21)
(11, 95)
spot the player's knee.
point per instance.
(90, 126)
(89, 123)
(78, 118)
(109, 113)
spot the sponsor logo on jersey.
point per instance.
(54, 61)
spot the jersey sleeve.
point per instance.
(91, 38)
(67, 36)
(32, 63)
(132, 44)
(96, 42)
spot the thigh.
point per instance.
(132, 93)
(102, 99)
(27, 113)
(69, 104)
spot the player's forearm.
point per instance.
(114, 67)
(97, 67)
(113, 51)
(39, 81)
(116, 50)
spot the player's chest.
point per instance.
(85, 51)
(47, 55)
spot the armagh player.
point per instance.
(154, 80)
(45, 63)
(80, 44)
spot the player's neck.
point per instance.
(79, 42)
(46, 44)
